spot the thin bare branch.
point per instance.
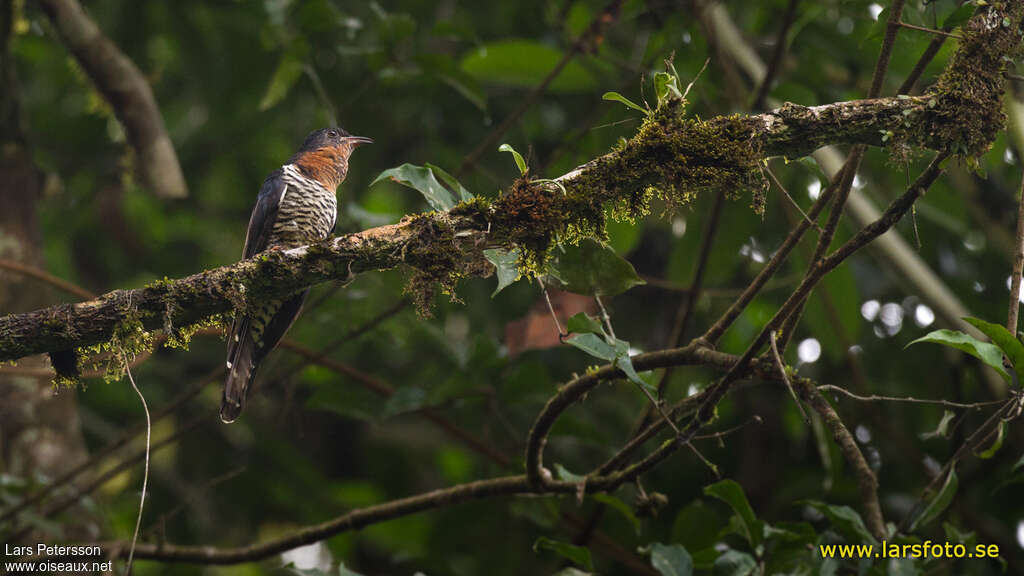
(1018, 265)
(785, 378)
(906, 399)
(866, 480)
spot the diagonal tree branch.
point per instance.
(669, 148)
(127, 91)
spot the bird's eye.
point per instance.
(333, 133)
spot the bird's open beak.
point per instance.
(358, 140)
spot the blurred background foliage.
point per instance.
(241, 83)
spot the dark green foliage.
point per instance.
(241, 83)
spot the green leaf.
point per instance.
(593, 268)
(671, 560)
(564, 474)
(616, 97)
(616, 352)
(451, 182)
(735, 563)
(990, 354)
(942, 430)
(621, 507)
(959, 16)
(518, 157)
(625, 363)
(731, 493)
(421, 179)
(665, 87)
(287, 73)
(846, 521)
(583, 323)
(1006, 341)
(996, 444)
(953, 534)
(878, 27)
(505, 266)
(697, 525)
(579, 555)
(525, 64)
(939, 503)
(594, 345)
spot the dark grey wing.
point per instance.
(264, 214)
(241, 347)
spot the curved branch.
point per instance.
(126, 89)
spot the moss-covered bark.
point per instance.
(672, 157)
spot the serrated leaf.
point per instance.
(520, 162)
(594, 269)
(616, 97)
(583, 323)
(505, 267)
(996, 444)
(1006, 341)
(988, 353)
(421, 179)
(579, 555)
(942, 430)
(735, 563)
(730, 492)
(671, 560)
(939, 503)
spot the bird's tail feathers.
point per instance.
(241, 365)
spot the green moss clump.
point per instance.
(965, 106)
(180, 338)
(436, 259)
(128, 340)
(674, 158)
(530, 215)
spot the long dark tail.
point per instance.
(241, 365)
(245, 353)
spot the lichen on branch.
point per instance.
(672, 157)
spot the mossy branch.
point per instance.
(671, 156)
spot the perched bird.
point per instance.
(296, 206)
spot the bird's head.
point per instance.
(324, 155)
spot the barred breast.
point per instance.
(306, 213)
